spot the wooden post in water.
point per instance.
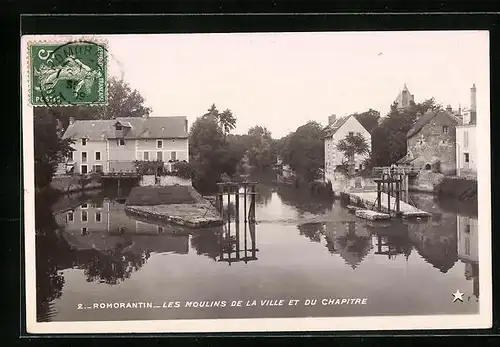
(219, 201)
(228, 202)
(379, 197)
(237, 202)
(388, 197)
(245, 202)
(252, 204)
(406, 188)
(397, 194)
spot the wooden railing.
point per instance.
(398, 170)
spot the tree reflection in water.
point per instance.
(52, 255)
(313, 231)
(206, 242)
(111, 266)
(303, 200)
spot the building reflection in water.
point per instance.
(468, 249)
(237, 243)
(352, 242)
(109, 245)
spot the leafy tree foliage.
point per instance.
(303, 150)
(261, 152)
(49, 149)
(351, 145)
(368, 119)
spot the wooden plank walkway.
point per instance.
(370, 200)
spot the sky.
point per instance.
(283, 80)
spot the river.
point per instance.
(91, 255)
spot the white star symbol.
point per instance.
(458, 296)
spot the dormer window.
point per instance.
(84, 142)
(118, 126)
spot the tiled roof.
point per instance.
(426, 118)
(331, 129)
(134, 128)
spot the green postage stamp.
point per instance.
(65, 74)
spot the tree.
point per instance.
(50, 149)
(351, 145)
(227, 121)
(261, 152)
(207, 151)
(303, 151)
(369, 119)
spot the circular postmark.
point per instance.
(72, 73)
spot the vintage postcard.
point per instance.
(257, 182)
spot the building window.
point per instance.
(173, 155)
(71, 156)
(70, 216)
(160, 229)
(118, 127)
(466, 157)
(84, 206)
(84, 231)
(84, 157)
(159, 156)
(97, 168)
(84, 216)
(467, 246)
(445, 129)
(98, 216)
(84, 169)
(146, 156)
(466, 139)
(120, 142)
(97, 155)
(351, 133)
(159, 144)
(84, 142)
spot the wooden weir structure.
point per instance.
(230, 248)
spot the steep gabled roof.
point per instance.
(331, 129)
(136, 128)
(426, 118)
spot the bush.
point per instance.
(183, 169)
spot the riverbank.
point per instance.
(181, 205)
(66, 184)
(460, 188)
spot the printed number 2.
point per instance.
(80, 307)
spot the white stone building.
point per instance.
(466, 151)
(337, 130)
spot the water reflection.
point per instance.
(235, 247)
(349, 241)
(467, 236)
(95, 235)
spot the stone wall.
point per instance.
(426, 181)
(149, 180)
(435, 142)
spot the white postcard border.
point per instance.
(472, 321)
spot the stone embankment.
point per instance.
(181, 205)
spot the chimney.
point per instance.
(71, 120)
(448, 108)
(332, 119)
(473, 104)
